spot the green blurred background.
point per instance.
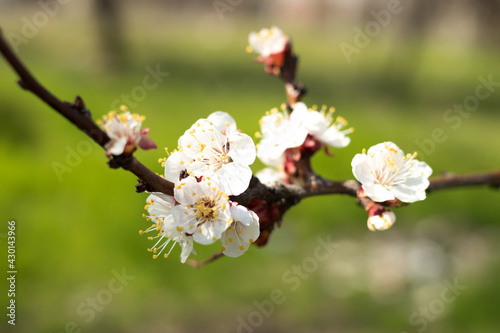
(75, 228)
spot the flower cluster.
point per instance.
(211, 162)
(305, 129)
(125, 132)
(288, 139)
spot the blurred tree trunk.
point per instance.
(488, 14)
(404, 62)
(110, 33)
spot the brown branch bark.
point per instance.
(322, 186)
(451, 180)
(76, 114)
(294, 90)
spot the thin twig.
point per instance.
(350, 187)
(450, 180)
(198, 264)
(28, 82)
(80, 119)
(294, 90)
(322, 186)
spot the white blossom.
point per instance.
(203, 209)
(386, 173)
(242, 232)
(125, 132)
(381, 222)
(214, 146)
(267, 41)
(279, 132)
(159, 207)
(323, 126)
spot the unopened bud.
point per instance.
(381, 222)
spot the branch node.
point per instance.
(79, 105)
(23, 85)
(121, 161)
(142, 186)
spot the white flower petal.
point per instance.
(205, 234)
(268, 41)
(271, 152)
(187, 191)
(378, 192)
(116, 147)
(270, 176)
(316, 124)
(243, 231)
(422, 169)
(184, 218)
(162, 204)
(321, 125)
(242, 149)
(235, 178)
(242, 214)
(359, 167)
(175, 163)
(187, 248)
(335, 138)
(223, 121)
(407, 193)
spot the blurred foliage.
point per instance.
(72, 233)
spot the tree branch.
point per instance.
(322, 186)
(80, 117)
(198, 264)
(294, 90)
(450, 180)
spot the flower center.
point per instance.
(387, 173)
(391, 168)
(219, 157)
(206, 209)
(215, 153)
